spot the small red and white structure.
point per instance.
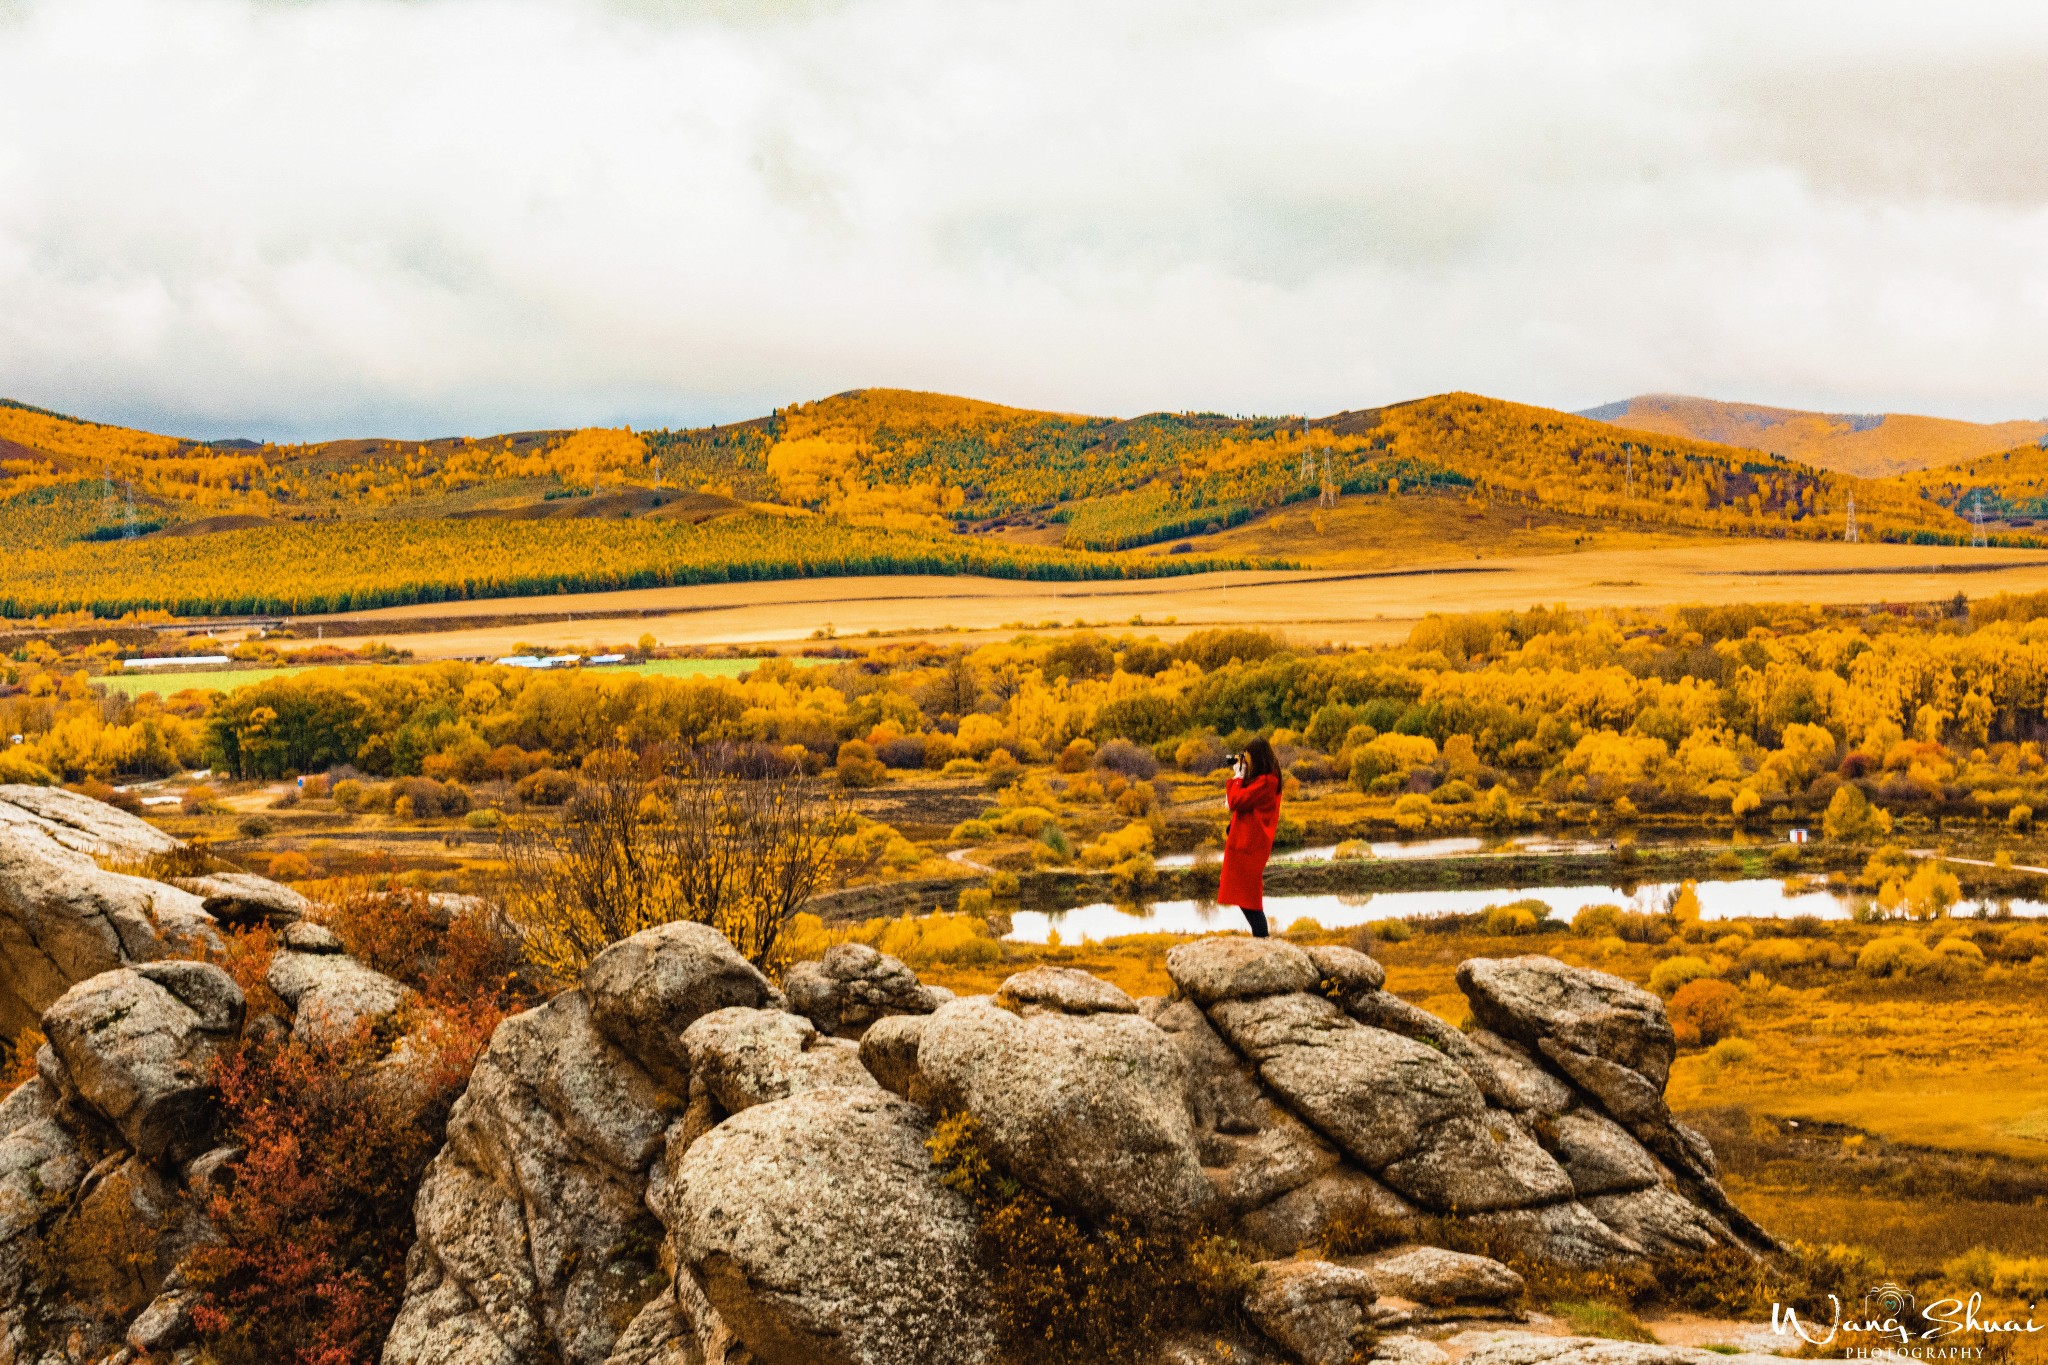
(1797, 836)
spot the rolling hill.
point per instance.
(1868, 445)
(873, 481)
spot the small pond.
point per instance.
(1755, 898)
(1402, 850)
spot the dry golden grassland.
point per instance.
(1360, 592)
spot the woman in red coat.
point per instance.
(1253, 798)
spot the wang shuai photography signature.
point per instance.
(1891, 1323)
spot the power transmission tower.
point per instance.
(1977, 537)
(1629, 484)
(1329, 495)
(1849, 535)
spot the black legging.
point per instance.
(1257, 920)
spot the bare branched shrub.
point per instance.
(695, 835)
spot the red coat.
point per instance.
(1254, 820)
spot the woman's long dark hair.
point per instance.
(1259, 761)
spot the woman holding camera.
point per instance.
(1252, 797)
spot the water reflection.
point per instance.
(1401, 850)
(1746, 899)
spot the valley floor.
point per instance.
(1343, 605)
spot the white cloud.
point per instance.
(299, 217)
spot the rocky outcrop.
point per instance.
(110, 1156)
(535, 1241)
(1610, 1040)
(1320, 1099)
(134, 1046)
(243, 898)
(332, 996)
(106, 1161)
(671, 1165)
(852, 986)
(1088, 1109)
(63, 917)
(676, 1164)
(819, 1231)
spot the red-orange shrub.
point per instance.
(247, 960)
(309, 1268)
(455, 962)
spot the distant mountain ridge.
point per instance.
(112, 520)
(1868, 445)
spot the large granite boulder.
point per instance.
(852, 986)
(1439, 1278)
(534, 1242)
(1062, 990)
(243, 898)
(1539, 1000)
(1401, 1109)
(79, 823)
(645, 991)
(332, 995)
(1212, 970)
(1612, 1042)
(1319, 1312)
(889, 1051)
(822, 1235)
(137, 1051)
(63, 918)
(742, 1057)
(1089, 1110)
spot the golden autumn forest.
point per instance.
(111, 520)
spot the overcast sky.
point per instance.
(288, 218)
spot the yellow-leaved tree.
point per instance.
(689, 837)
